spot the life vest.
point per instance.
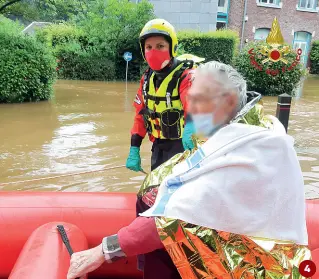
(163, 113)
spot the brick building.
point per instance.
(298, 19)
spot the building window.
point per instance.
(222, 6)
(222, 14)
(261, 34)
(220, 25)
(302, 40)
(221, 3)
(311, 5)
(270, 3)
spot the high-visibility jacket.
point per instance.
(161, 111)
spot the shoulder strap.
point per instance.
(187, 64)
(146, 84)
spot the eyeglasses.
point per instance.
(204, 98)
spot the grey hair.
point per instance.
(228, 78)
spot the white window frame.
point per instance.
(311, 10)
(223, 9)
(225, 3)
(269, 5)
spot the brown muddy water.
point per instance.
(86, 128)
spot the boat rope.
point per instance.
(62, 175)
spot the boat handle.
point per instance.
(65, 240)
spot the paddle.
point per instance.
(65, 240)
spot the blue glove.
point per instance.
(133, 161)
(189, 130)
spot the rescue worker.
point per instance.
(160, 103)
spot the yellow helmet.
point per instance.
(159, 27)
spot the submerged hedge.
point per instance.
(220, 45)
(314, 58)
(81, 56)
(27, 68)
(77, 57)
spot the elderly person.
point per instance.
(234, 208)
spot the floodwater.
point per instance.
(79, 141)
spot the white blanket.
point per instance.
(245, 180)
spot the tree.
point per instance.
(116, 20)
(116, 24)
(42, 10)
(5, 5)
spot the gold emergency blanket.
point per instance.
(256, 117)
(155, 178)
(199, 252)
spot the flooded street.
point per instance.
(86, 128)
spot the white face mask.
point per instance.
(204, 124)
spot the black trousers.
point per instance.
(163, 150)
(158, 264)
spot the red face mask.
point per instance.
(157, 59)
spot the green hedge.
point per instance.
(83, 64)
(263, 82)
(59, 34)
(116, 24)
(9, 26)
(77, 57)
(220, 45)
(314, 58)
(27, 69)
(135, 65)
(90, 56)
(83, 57)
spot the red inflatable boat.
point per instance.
(31, 247)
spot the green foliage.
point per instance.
(268, 84)
(44, 10)
(60, 34)
(314, 58)
(75, 62)
(77, 57)
(9, 26)
(115, 25)
(27, 69)
(220, 45)
(93, 46)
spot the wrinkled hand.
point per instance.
(187, 136)
(84, 262)
(133, 161)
